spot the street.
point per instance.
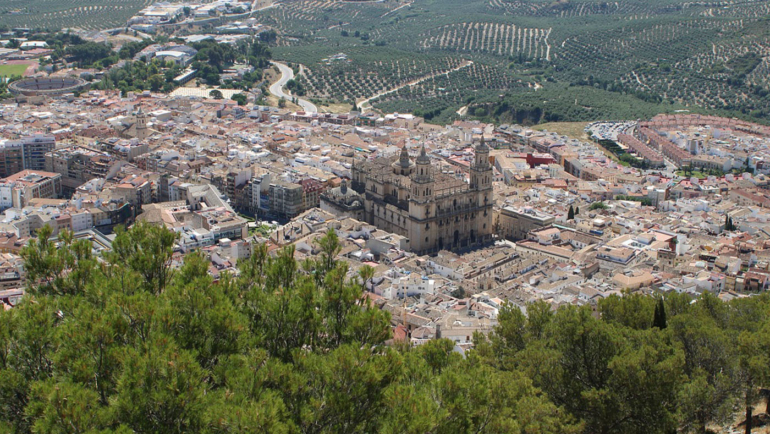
(277, 88)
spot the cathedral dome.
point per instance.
(344, 196)
(403, 166)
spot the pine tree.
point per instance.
(571, 213)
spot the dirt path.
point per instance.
(31, 69)
(365, 103)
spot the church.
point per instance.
(435, 211)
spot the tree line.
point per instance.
(131, 343)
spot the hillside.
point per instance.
(565, 60)
(600, 57)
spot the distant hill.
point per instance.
(563, 60)
(652, 55)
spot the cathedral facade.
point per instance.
(435, 211)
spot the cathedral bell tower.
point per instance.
(422, 187)
(481, 171)
(421, 204)
(482, 175)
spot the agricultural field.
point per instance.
(533, 60)
(529, 60)
(58, 14)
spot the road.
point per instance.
(277, 88)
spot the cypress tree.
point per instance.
(663, 320)
(727, 223)
(577, 210)
(659, 317)
(571, 213)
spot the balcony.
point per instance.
(455, 210)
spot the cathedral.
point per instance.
(434, 210)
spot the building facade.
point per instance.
(435, 211)
(17, 190)
(24, 153)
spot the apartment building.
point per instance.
(286, 199)
(17, 190)
(25, 153)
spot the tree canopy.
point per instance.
(130, 343)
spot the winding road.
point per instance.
(277, 88)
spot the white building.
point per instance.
(410, 286)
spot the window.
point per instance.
(426, 239)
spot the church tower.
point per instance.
(481, 171)
(141, 125)
(421, 204)
(422, 180)
(482, 174)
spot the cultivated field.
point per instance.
(565, 60)
(57, 14)
(537, 60)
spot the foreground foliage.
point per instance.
(129, 345)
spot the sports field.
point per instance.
(9, 70)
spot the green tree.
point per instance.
(752, 372)
(57, 267)
(161, 389)
(365, 273)
(659, 319)
(200, 317)
(632, 310)
(239, 98)
(593, 368)
(571, 213)
(147, 251)
(710, 392)
(65, 407)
